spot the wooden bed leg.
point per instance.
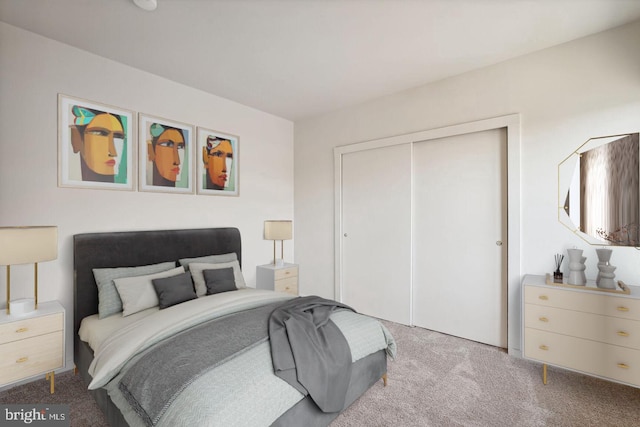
(384, 379)
(544, 373)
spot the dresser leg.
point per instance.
(544, 373)
(52, 381)
(384, 379)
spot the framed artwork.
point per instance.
(95, 145)
(217, 158)
(166, 155)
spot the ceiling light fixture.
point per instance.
(146, 4)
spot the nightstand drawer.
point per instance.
(605, 304)
(289, 285)
(284, 273)
(608, 329)
(27, 328)
(31, 356)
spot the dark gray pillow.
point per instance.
(174, 290)
(219, 280)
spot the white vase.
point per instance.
(576, 267)
(607, 276)
(604, 256)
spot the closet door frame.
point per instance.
(511, 123)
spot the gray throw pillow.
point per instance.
(209, 259)
(174, 290)
(196, 269)
(109, 301)
(219, 280)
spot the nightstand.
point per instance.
(282, 278)
(32, 344)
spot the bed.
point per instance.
(128, 359)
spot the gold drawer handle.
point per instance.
(623, 366)
(21, 330)
(543, 297)
(622, 308)
(544, 347)
(543, 319)
(287, 272)
(22, 360)
(623, 333)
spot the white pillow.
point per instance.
(137, 293)
(196, 269)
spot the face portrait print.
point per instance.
(166, 151)
(99, 138)
(218, 160)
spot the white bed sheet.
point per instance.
(94, 330)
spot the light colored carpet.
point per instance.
(440, 380)
(437, 380)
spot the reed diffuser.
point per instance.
(557, 274)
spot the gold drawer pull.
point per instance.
(543, 297)
(544, 347)
(623, 333)
(22, 360)
(623, 366)
(287, 272)
(543, 319)
(21, 330)
(622, 308)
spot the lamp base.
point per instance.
(22, 306)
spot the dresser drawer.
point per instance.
(604, 304)
(289, 285)
(618, 363)
(31, 356)
(612, 330)
(21, 329)
(284, 273)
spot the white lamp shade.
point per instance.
(27, 245)
(278, 230)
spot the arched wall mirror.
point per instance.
(599, 191)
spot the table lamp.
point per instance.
(26, 245)
(278, 230)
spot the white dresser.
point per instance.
(589, 331)
(32, 344)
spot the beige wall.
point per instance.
(565, 95)
(34, 70)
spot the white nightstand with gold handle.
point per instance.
(282, 278)
(32, 344)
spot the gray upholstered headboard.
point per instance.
(135, 248)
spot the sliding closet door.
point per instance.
(376, 224)
(459, 237)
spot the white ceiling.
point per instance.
(300, 58)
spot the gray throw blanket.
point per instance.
(154, 380)
(310, 352)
